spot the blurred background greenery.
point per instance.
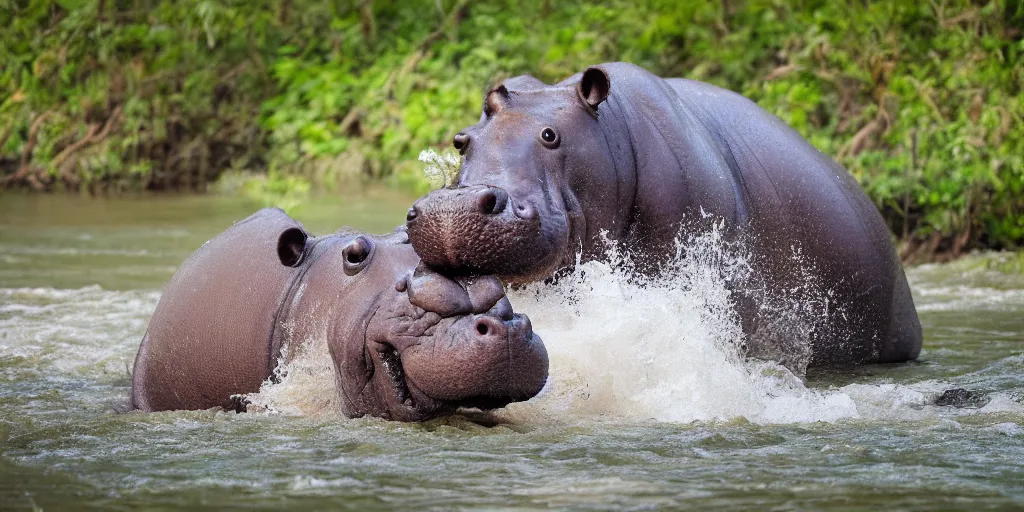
(920, 100)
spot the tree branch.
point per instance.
(32, 132)
(89, 138)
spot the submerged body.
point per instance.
(406, 343)
(619, 151)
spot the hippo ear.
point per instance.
(593, 87)
(495, 100)
(291, 245)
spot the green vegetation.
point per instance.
(922, 101)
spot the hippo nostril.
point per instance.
(461, 141)
(488, 326)
(488, 202)
(411, 214)
(525, 211)
(491, 201)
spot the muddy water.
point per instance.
(649, 406)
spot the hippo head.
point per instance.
(407, 343)
(537, 170)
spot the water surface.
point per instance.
(648, 409)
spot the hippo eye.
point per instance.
(356, 255)
(549, 137)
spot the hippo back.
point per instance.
(700, 148)
(212, 334)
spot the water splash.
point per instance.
(669, 347)
(303, 383)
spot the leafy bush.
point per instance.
(920, 100)
(128, 94)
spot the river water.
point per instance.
(648, 406)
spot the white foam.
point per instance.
(303, 383)
(667, 349)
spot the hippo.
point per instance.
(551, 173)
(406, 343)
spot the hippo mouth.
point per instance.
(473, 361)
(407, 403)
(391, 361)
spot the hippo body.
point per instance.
(407, 343)
(617, 150)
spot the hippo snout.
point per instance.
(466, 347)
(477, 229)
(489, 361)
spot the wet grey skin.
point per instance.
(407, 343)
(617, 150)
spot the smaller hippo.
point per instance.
(407, 343)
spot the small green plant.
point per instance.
(442, 169)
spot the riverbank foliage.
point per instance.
(921, 101)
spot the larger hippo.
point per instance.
(407, 344)
(617, 150)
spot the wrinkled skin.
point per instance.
(618, 150)
(407, 343)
